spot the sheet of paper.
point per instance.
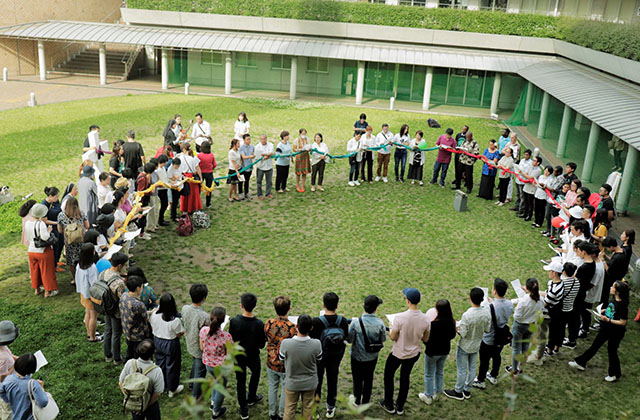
(114, 248)
(485, 301)
(293, 319)
(40, 360)
(518, 288)
(599, 308)
(130, 235)
(553, 249)
(227, 318)
(596, 314)
(391, 317)
(147, 210)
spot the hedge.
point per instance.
(617, 39)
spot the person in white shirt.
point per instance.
(514, 146)
(319, 158)
(163, 192)
(384, 138)
(531, 174)
(546, 180)
(416, 159)
(175, 178)
(368, 140)
(104, 188)
(527, 309)
(235, 163)
(264, 168)
(201, 131)
(41, 263)
(522, 165)
(241, 126)
(167, 329)
(354, 146)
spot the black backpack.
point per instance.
(332, 337)
(104, 302)
(369, 346)
(502, 336)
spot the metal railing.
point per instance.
(129, 59)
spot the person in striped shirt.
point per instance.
(571, 286)
(552, 299)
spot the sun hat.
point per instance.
(38, 211)
(576, 212)
(554, 266)
(8, 333)
(88, 171)
(412, 294)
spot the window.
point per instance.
(244, 59)
(377, 1)
(422, 3)
(318, 65)
(280, 62)
(211, 58)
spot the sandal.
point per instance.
(230, 200)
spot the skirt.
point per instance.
(233, 177)
(191, 202)
(415, 172)
(303, 163)
(487, 185)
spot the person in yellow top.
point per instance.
(602, 226)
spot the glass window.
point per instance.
(318, 65)
(377, 1)
(244, 59)
(280, 62)
(211, 58)
(413, 2)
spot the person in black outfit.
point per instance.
(133, 153)
(585, 273)
(459, 139)
(331, 355)
(616, 267)
(248, 331)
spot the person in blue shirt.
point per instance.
(361, 125)
(488, 181)
(503, 140)
(15, 388)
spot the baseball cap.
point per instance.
(412, 294)
(372, 301)
(554, 266)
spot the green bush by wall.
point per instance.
(620, 40)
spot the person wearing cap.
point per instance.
(407, 330)
(88, 194)
(8, 334)
(363, 363)
(112, 324)
(551, 312)
(41, 259)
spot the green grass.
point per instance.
(353, 241)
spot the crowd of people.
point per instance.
(587, 269)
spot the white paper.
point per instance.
(40, 359)
(485, 301)
(226, 322)
(130, 235)
(322, 312)
(553, 249)
(114, 248)
(518, 288)
(293, 319)
(147, 210)
(391, 317)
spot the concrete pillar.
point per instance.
(495, 95)
(527, 102)
(294, 78)
(227, 74)
(41, 61)
(624, 193)
(564, 132)
(590, 155)
(360, 83)
(428, 80)
(578, 123)
(102, 56)
(164, 68)
(542, 125)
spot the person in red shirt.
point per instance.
(444, 156)
(207, 165)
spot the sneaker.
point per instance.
(610, 378)
(331, 412)
(352, 400)
(425, 398)
(257, 400)
(545, 233)
(442, 186)
(351, 184)
(413, 182)
(377, 179)
(491, 379)
(385, 179)
(108, 359)
(178, 390)
(466, 394)
(218, 415)
(583, 334)
(575, 365)
(99, 339)
(451, 393)
(357, 183)
(432, 182)
(595, 327)
(500, 204)
(421, 183)
(549, 352)
(244, 414)
(399, 410)
(385, 408)
(569, 344)
(478, 384)
(146, 236)
(436, 396)
(117, 362)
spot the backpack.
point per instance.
(135, 388)
(433, 123)
(185, 228)
(332, 337)
(104, 302)
(502, 336)
(369, 346)
(200, 219)
(73, 233)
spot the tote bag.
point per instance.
(48, 412)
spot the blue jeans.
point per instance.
(520, 342)
(276, 381)
(436, 168)
(400, 161)
(466, 366)
(353, 172)
(217, 397)
(112, 337)
(198, 370)
(434, 374)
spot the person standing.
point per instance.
(248, 331)
(301, 355)
(276, 330)
(385, 139)
(112, 324)
(247, 153)
(283, 162)
(52, 203)
(361, 125)
(163, 192)
(264, 169)
(363, 357)
(88, 194)
(72, 219)
(8, 334)
(514, 145)
(503, 140)
(319, 158)
(523, 166)
(408, 329)
(459, 138)
(532, 173)
(446, 143)
(134, 317)
(303, 162)
(133, 153)
(201, 131)
(175, 179)
(190, 168)
(234, 177)
(16, 389)
(167, 329)
(464, 170)
(144, 363)
(606, 202)
(86, 276)
(207, 165)
(488, 180)
(526, 313)
(504, 164)
(194, 318)
(368, 140)
(241, 127)
(544, 181)
(354, 146)
(400, 154)
(115, 165)
(417, 158)
(551, 313)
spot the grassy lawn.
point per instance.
(354, 241)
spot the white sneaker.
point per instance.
(146, 236)
(491, 379)
(425, 398)
(421, 183)
(413, 182)
(351, 184)
(357, 183)
(435, 397)
(377, 178)
(610, 378)
(385, 179)
(331, 412)
(178, 390)
(352, 399)
(575, 365)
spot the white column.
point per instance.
(102, 56)
(227, 74)
(624, 193)
(578, 123)
(527, 102)
(564, 132)
(41, 61)
(590, 155)
(164, 68)
(542, 125)
(495, 95)
(360, 83)
(428, 81)
(294, 77)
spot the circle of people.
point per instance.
(588, 268)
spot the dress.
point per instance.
(303, 161)
(488, 181)
(71, 251)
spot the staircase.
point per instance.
(87, 62)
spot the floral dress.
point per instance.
(303, 162)
(71, 251)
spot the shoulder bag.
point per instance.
(38, 242)
(49, 411)
(369, 347)
(502, 336)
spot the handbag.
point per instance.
(49, 411)
(186, 189)
(369, 347)
(38, 242)
(502, 336)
